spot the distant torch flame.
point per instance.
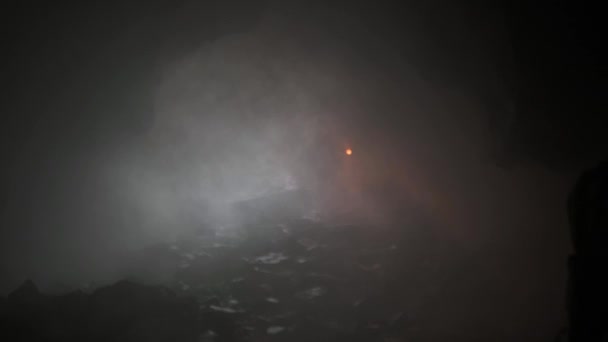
(348, 151)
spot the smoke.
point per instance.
(234, 120)
(272, 108)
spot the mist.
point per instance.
(180, 131)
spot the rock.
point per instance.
(270, 259)
(275, 329)
(272, 300)
(26, 292)
(312, 293)
(124, 311)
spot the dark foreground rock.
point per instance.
(292, 280)
(124, 311)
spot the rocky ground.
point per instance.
(297, 280)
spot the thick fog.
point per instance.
(271, 106)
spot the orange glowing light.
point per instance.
(348, 151)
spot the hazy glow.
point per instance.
(228, 128)
(348, 152)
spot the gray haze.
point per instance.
(270, 105)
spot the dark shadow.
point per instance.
(588, 281)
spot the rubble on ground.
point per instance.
(300, 280)
(124, 311)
